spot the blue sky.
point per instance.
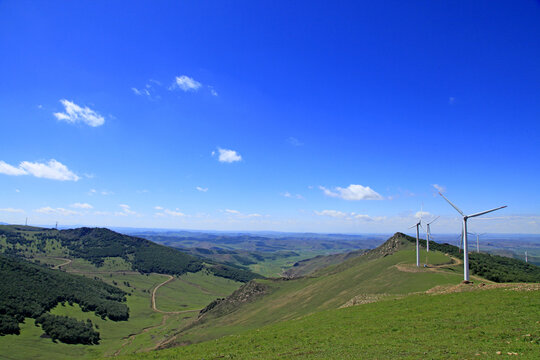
(291, 116)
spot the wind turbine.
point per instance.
(477, 240)
(465, 244)
(418, 225)
(428, 232)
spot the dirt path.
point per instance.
(166, 316)
(170, 278)
(131, 337)
(68, 261)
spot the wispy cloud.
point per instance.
(349, 216)
(294, 141)
(422, 214)
(292, 196)
(167, 212)
(353, 192)
(185, 83)
(238, 214)
(439, 188)
(75, 113)
(12, 210)
(56, 211)
(82, 206)
(201, 189)
(140, 92)
(126, 209)
(102, 192)
(176, 212)
(53, 170)
(227, 155)
(213, 91)
(451, 100)
(331, 213)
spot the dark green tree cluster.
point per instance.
(68, 330)
(233, 273)
(29, 290)
(492, 267)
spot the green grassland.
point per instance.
(150, 328)
(391, 276)
(274, 267)
(465, 325)
(193, 291)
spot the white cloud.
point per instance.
(292, 196)
(294, 141)
(82, 206)
(213, 91)
(349, 216)
(102, 192)
(140, 92)
(12, 210)
(126, 210)
(11, 170)
(422, 214)
(332, 213)
(229, 211)
(164, 212)
(174, 213)
(52, 170)
(17, 190)
(439, 188)
(228, 156)
(185, 83)
(74, 114)
(254, 215)
(56, 211)
(201, 189)
(353, 192)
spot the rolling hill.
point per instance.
(387, 272)
(418, 326)
(98, 245)
(29, 291)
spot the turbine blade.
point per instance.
(454, 206)
(432, 221)
(412, 226)
(487, 211)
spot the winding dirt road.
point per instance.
(68, 261)
(167, 314)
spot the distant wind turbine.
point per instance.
(418, 225)
(428, 232)
(465, 244)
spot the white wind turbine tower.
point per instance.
(418, 225)
(465, 244)
(478, 241)
(428, 232)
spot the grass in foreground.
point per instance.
(477, 324)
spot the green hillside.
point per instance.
(28, 291)
(159, 303)
(97, 245)
(457, 325)
(386, 272)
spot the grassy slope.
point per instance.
(203, 289)
(418, 326)
(295, 298)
